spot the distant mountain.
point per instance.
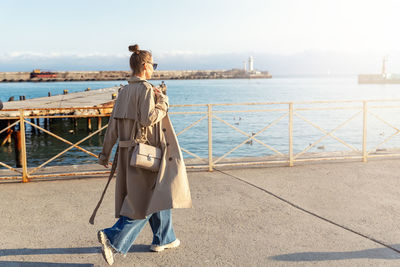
(308, 62)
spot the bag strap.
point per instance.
(113, 168)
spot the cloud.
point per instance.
(55, 55)
(26, 61)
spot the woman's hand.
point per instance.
(157, 91)
(103, 160)
(105, 165)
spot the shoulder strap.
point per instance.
(113, 168)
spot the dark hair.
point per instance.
(137, 59)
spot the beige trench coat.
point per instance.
(139, 114)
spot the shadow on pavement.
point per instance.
(376, 253)
(52, 251)
(42, 264)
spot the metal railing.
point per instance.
(215, 112)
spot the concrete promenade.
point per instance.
(330, 214)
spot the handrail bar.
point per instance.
(208, 114)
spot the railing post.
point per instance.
(210, 159)
(290, 134)
(25, 178)
(364, 147)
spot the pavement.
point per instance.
(323, 214)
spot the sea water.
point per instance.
(41, 146)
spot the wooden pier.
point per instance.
(63, 104)
(41, 112)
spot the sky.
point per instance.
(285, 36)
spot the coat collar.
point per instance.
(134, 79)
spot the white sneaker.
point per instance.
(106, 249)
(158, 248)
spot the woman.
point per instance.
(141, 196)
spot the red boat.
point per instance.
(43, 74)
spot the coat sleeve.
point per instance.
(152, 110)
(110, 139)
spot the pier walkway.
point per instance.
(55, 104)
(331, 214)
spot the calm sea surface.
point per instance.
(40, 146)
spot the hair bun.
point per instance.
(134, 48)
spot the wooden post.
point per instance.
(99, 124)
(38, 124)
(100, 133)
(33, 129)
(25, 178)
(89, 124)
(291, 135)
(46, 123)
(210, 159)
(17, 148)
(71, 121)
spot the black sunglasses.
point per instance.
(154, 65)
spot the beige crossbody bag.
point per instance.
(146, 156)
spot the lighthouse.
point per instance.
(251, 61)
(384, 61)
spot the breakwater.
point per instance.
(122, 75)
(378, 79)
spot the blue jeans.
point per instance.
(125, 231)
